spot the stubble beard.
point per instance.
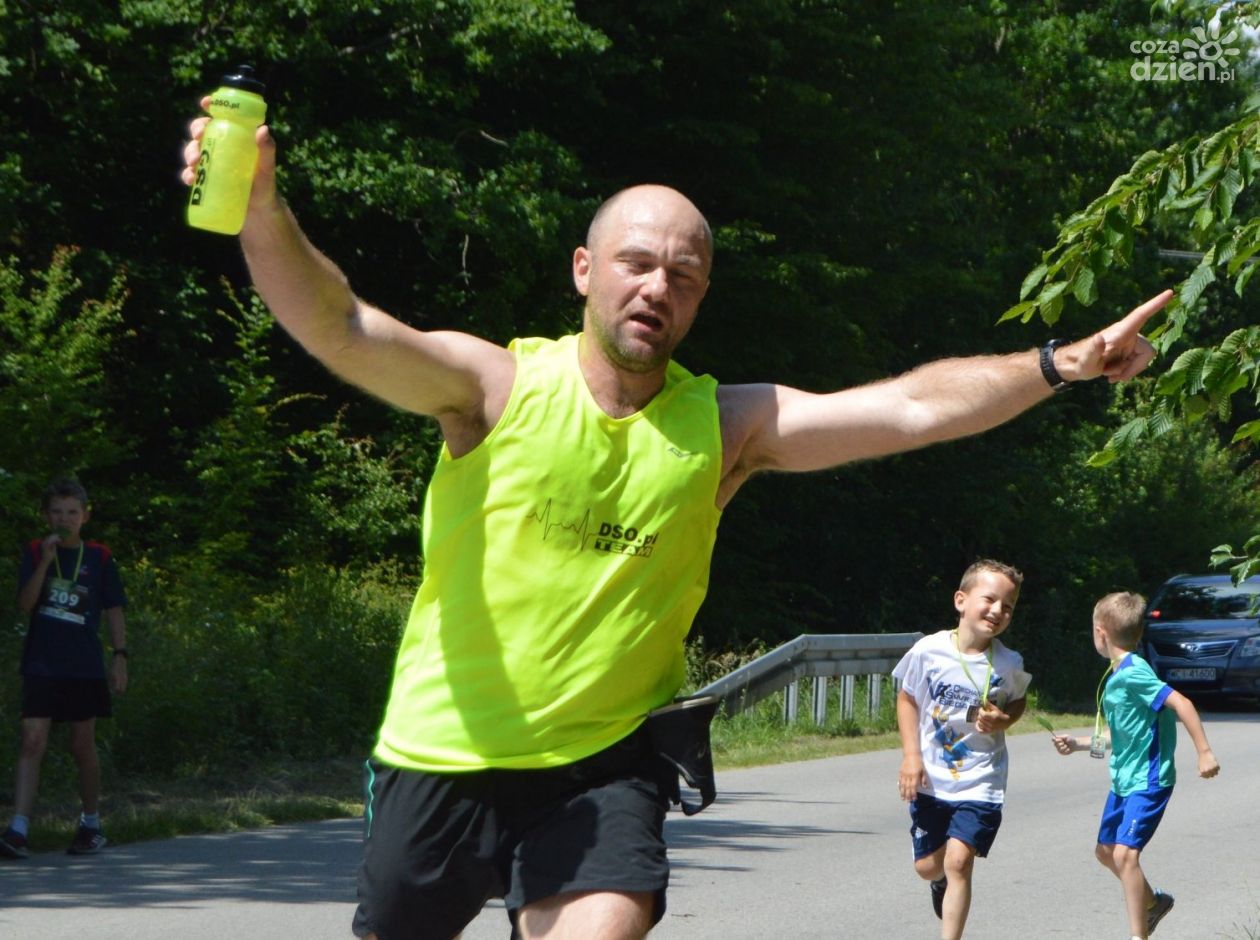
(640, 358)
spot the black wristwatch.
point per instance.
(1048, 371)
(121, 651)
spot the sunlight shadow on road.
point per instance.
(746, 834)
(287, 864)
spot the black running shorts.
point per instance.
(438, 846)
(65, 699)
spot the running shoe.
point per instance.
(13, 845)
(87, 841)
(1155, 913)
(938, 895)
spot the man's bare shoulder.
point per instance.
(740, 405)
(743, 410)
(471, 351)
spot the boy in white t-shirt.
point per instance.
(960, 690)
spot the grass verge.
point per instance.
(201, 801)
(760, 737)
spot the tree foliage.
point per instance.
(55, 345)
(1200, 190)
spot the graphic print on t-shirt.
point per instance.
(612, 537)
(961, 762)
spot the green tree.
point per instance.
(880, 178)
(271, 492)
(1194, 188)
(56, 418)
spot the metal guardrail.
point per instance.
(818, 655)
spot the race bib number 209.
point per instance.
(65, 600)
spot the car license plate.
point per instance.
(1202, 674)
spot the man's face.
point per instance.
(986, 608)
(66, 516)
(643, 277)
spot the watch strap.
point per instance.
(1048, 371)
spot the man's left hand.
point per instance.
(1119, 351)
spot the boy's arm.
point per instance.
(28, 593)
(118, 641)
(993, 719)
(912, 774)
(1066, 744)
(1189, 717)
(1016, 710)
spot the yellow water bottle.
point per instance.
(229, 153)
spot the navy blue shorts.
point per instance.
(438, 846)
(933, 822)
(1132, 820)
(65, 699)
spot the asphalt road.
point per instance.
(814, 849)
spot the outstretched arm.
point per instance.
(458, 378)
(1067, 744)
(773, 427)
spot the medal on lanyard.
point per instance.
(64, 598)
(78, 564)
(974, 711)
(1097, 746)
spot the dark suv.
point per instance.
(1203, 634)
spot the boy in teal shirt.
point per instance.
(1138, 708)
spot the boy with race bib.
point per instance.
(65, 585)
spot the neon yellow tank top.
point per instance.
(565, 558)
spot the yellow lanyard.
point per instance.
(1098, 716)
(988, 679)
(78, 564)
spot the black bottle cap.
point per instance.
(243, 78)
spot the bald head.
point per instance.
(652, 200)
(643, 271)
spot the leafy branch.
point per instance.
(1192, 186)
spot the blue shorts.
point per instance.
(1131, 820)
(933, 822)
